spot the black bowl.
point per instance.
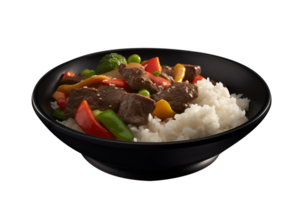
(154, 161)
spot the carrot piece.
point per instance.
(59, 95)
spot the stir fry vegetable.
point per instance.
(144, 92)
(159, 80)
(94, 79)
(88, 72)
(198, 78)
(62, 103)
(133, 64)
(152, 65)
(179, 72)
(68, 74)
(96, 113)
(110, 62)
(84, 117)
(59, 113)
(113, 74)
(59, 95)
(114, 123)
(163, 110)
(134, 58)
(116, 82)
(156, 73)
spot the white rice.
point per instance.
(70, 122)
(212, 112)
(54, 105)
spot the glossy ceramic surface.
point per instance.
(158, 156)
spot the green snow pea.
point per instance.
(115, 125)
(96, 113)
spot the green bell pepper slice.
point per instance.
(115, 125)
(59, 113)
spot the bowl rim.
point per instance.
(97, 140)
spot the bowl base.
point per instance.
(151, 175)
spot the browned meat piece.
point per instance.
(77, 95)
(169, 71)
(72, 80)
(106, 97)
(191, 71)
(167, 77)
(214, 82)
(178, 95)
(137, 78)
(110, 97)
(135, 108)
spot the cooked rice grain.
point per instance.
(212, 112)
(71, 123)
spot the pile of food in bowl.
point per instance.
(129, 100)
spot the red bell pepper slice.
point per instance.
(88, 123)
(152, 65)
(159, 80)
(68, 74)
(116, 82)
(100, 85)
(198, 78)
(62, 103)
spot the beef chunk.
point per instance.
(178, 95)
(106, 97)
(135, 108)
(167, 77)
(72, 80)
(110, 97)
(191, 71)
(137, 78)
(169, 71)
(214, 82)
(77, 95)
